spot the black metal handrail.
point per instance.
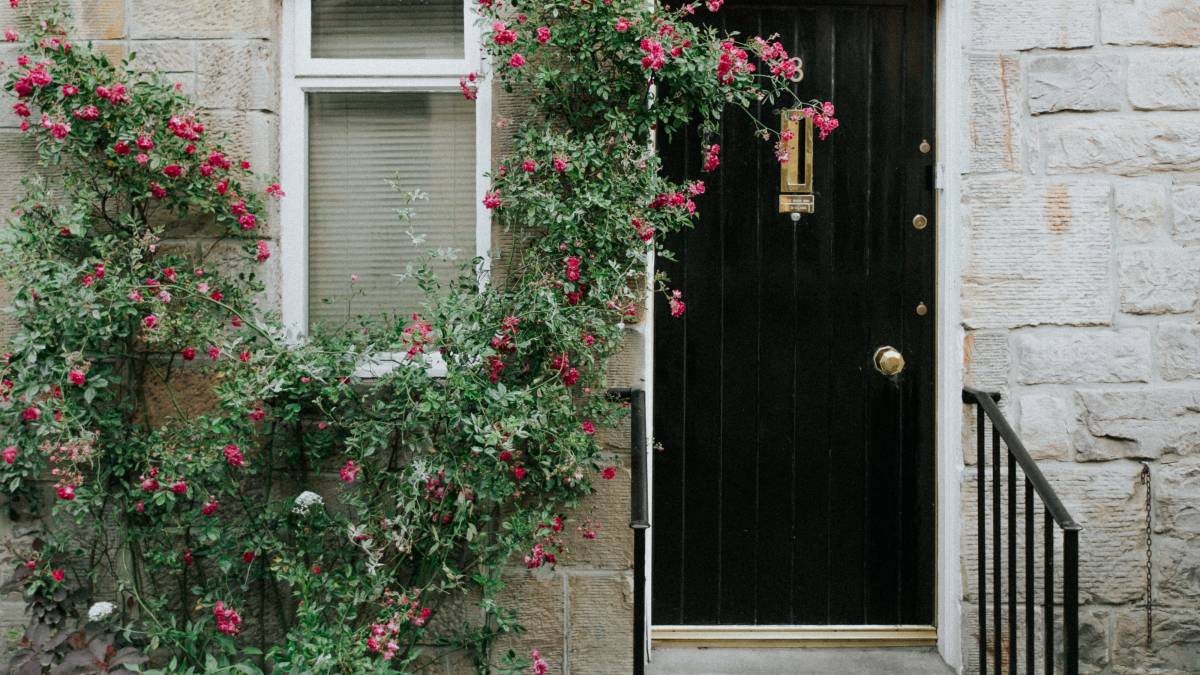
(1055, 514)
(639, 514)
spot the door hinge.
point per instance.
(939, 181)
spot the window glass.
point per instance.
(357, 143)
(387, 29)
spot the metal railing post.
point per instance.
(1055, 516)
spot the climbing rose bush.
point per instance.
(218, 495)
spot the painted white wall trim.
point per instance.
(950, 150)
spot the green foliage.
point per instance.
(247, 499)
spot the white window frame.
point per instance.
(301, 74)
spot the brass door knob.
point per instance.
(889, 361)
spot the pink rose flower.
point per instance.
(234, 457)
(349, 472)
(676, 304)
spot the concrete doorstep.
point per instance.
(844, 661)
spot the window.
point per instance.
(370, 93)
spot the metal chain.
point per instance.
(1149, 560)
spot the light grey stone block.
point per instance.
(1178, 348)
(1141, 209)
(1036, 253)
(994, 113)
(1082, 355)
(151, 19)
(1047, 423)
(1084, 82)
(1185, 205)
(1159, 281)
(1000, 25)
(1129, 145)
(239, 75)
(1138, 423)
(1150, 22)
(1169, 81)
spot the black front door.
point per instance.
(795, 482)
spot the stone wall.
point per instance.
(225, 53)
(580, 613)
(1080, 275)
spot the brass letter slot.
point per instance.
(796, 189)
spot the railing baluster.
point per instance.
(981, 490)
(1048, 535)
(1012, 564)
(1030, 625)
(1007, 646)
(997, 586)
(1071, 599)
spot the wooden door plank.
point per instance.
(885, 283)
(778, 330)
(851, 364)
(813, 346)
(670, 413)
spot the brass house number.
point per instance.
(796, 181)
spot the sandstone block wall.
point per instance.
(1081, 270)
(226, 54)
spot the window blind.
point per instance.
(387, 29)
(357, 142)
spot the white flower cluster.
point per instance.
(101, 611)
(306, 500)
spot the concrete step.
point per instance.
(777, 661)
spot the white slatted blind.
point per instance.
(387, 29)
(357, 141)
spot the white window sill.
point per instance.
(434, 364)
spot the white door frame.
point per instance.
(950, 148)
(950, 87)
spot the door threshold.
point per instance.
(793, 636)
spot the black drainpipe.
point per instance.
(639, 516)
